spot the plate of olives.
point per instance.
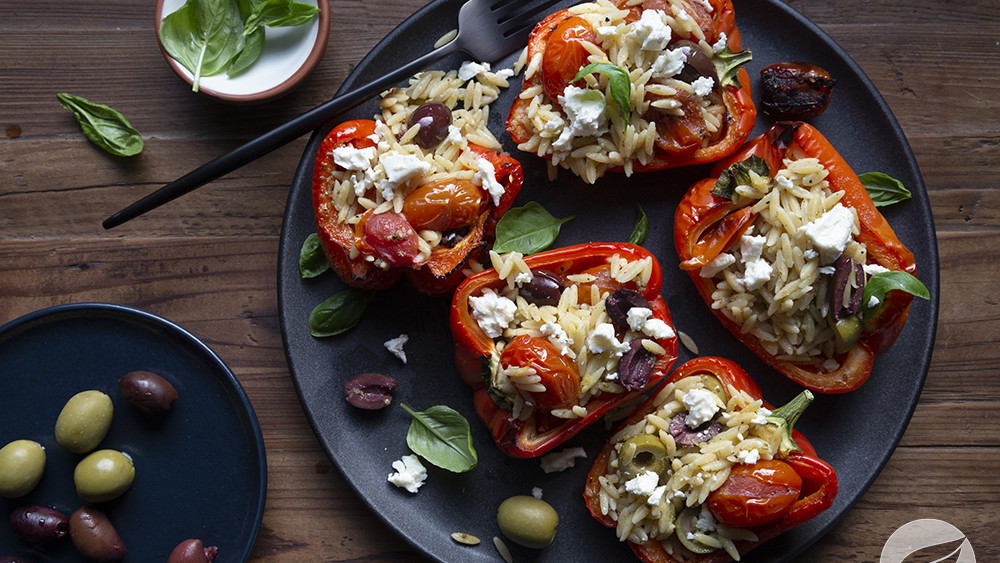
(123, 434)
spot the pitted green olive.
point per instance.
(712, 383)
(84, 421)
(642, 453)
(103, 475)
(528, 521)
(686, 528)
(22, 463)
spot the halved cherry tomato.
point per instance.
(756, 494)
(444, 204)
(393, 238)
(565, 55)
(680, 134)
(559, 374)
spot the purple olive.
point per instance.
(618, 305)
(434, 119)
(545, 288)
(370, 391)
(38, 524)
(147, 392)
(192, 551)
(698, 63)
(845, 292)
(636, 366)
(684, 436)
(94, 536)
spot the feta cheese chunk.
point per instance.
(643, 484)
(701, 407)
(492, 312)
(395, 345)
(650, 31)
(410, 473)
(703, 86)
(558, 337)
(830, 233)
(641, 319)
(656, 497)
(872, 269)
(669, 63)
(350, 158)
(472, 69)
(562, 460)
(401, 168)
(586, 113)
(603, 339)
(487, 178)
(756, 270)
(719, 263)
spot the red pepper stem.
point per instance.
(785, 417)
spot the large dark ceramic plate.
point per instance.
(856, 432)
(200, 469)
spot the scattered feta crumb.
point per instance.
(487, 178)
(410, 473)
(350, 158)
(562, 460)
(872, 269)
(748, 457)
(831, 364)
(643, 484)
(761, 416)
(603, 339)
(719, 263)
(558, 337)
(706, 521)
(400, 169)
(395, 345)
(656, 497)
(492, 312)
(830, 233)
(651, 31)
(455, 135)
(669, 63)
(585, 110)
(637, 317)
(701, 405)
(471, 69)
(721, 44)
(536, 492)
(703, 86)
(658, 329)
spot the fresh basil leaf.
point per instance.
(252, 49)
(884, 189)
(442, 436)
(739, 174)
(638, 235)
(204, 36)
(298, 14)
(883, 282)
(340, 313)
(728, 63)
(104, 126)
(262, 12)
(619, 82)
(527, 230)
(312, 261)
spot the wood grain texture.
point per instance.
(208, 260)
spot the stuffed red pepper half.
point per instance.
(553, 341)
(786, 246)
(705, 471)
(627, 86)
(419, 189)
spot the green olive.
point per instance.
(84, 421)
(22, 463)
(712, 383)
(528, 521)
(642, 453)
(847, 331)
(685, 525)
(103, 475)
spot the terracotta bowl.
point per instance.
(290, 54)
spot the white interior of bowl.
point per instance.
(285, 51)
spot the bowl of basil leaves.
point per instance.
(242, 50)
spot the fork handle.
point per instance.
(275, 138)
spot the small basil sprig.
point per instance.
(104, 126)
(884, 189)
(340, 313)
(527, 230)
(640, 229)
(277, 13)
(442, 436)
(728, 63)
(203, 35)
(883, 282)
(312, 261)
(738, 174)
(618, 80)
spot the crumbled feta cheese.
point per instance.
(656, 497)
(827, 270)
(492, 312)
(748, 457)
(603, 339)
(504, 73)
(585, 110)
(761, 416)
(756, 270)
(471, 69)
(637, 316)
(536, 492)
(487, 178)
(350, 158)
(872, 269)
(395, 345)
(562, 460)
(522, 278)
(455, 135)
(557, 336)
(612, 376)
(651, 31)
(703, 86)
(830, 233)
(809, 254)
(643, 484)
(719, 263)
(401, 168)
(831, 364)
(701, 407)
(669, 63)
(721, 44)
(706, 521)
(410, 473)
(657, 328)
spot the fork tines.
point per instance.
(518, 16)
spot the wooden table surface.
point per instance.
(208, 260)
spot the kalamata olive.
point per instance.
(544, 288)
(94, 536)
(699, 63)
(38, 524)
(434, 119)
(22, 463)
(450, 238)
(847, 287)
(192, 551)
(103, 475)
(685, 436)
(147, 391)
(370, 391)
(84, 421)
(528, 521)
(795, 90)
(636, 366)
(618, 305)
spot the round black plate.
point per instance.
(200, 469)
(855, 432)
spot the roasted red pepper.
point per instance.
(707, 225)
(377, 251)
(683, 137)
(762, 496)
(483, 360)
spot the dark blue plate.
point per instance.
(200, 469)
(856, 432)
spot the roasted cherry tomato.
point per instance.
(559, 375)
(393, 238)
(444, 204)
(756, 494)
(565, 55)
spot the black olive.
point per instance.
(434, 119)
